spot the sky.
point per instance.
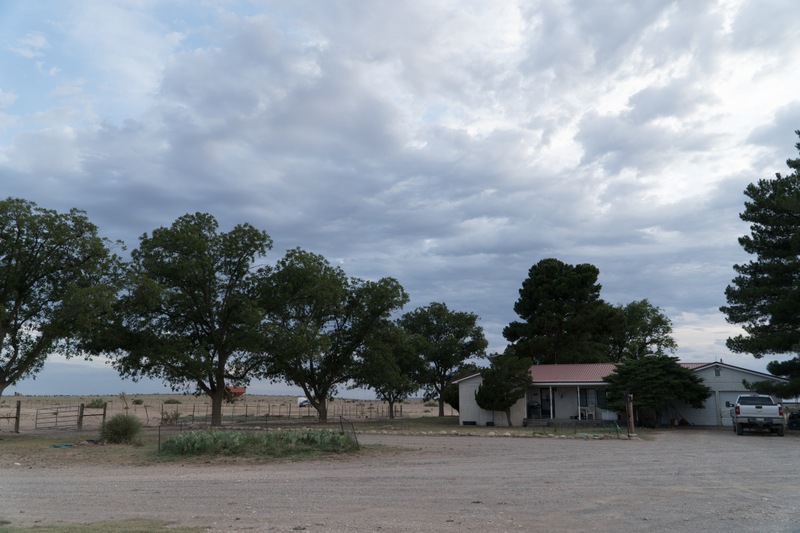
(448, 144)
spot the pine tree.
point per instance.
(504, 383)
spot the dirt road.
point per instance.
(706, 481)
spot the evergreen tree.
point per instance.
(563, 318)
(765, 295)
(655, 381)
(504, 383)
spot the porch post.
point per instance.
(579, 401)
(552, 404)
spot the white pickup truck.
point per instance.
(756, 411)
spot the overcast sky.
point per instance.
(448, 144)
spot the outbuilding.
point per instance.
(578, 392)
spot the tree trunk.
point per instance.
(322, 409)
(508, 417)
(658, 418)
(391, 409)
(216, 406)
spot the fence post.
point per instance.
(105, 407)
(16, 419)
(80, 418)
(193, 406)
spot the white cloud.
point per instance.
(31, 45)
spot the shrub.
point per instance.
(170, 418)
(97, 403)
(121, 429)
(172, 401)
(138, 401)
(431, 404)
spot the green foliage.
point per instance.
(763, 297)
(271, 443)
(168, 418)
(646, 331)
(189, 314)
(172, 401)
(563, 318)
(138, 401)
(121, 429)
(56, 279)
(655, 381)
(319, 321)
(431, 404)
(504, 383)
(390, 365)
(96, 403)
(448, 340)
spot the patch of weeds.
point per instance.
(97, 403)
(431, 404)
(170, 418)
(281, 443)
(172, 401)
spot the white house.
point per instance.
(570, 392)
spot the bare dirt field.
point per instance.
(680, 480)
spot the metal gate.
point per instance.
(58, 417)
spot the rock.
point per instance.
(454, 432)
(506, 434)
(442, 433)
(490, 434)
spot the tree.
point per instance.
(450, 395)
(646, 331)
(563, 317)
(655, 381)
(449, 339)
(390, 365)
(765, 295)
(319, 323)
(56, 278)
(504, 383)
(189, 314)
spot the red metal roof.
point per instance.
(586, 373)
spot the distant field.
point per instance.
(150, 408)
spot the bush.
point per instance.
(431, 404)
(138, 401)
(172, 401)
(272, 443)
(121, 429)
(170, 418)
(97, 403)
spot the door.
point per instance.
(544, 394)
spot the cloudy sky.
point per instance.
(449, 144)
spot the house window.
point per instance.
(588, 397)
(602, 397)
(717, 371)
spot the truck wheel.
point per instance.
(780, 431)
(739, 428)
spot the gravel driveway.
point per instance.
(692, 480)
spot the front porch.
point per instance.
(547, 402)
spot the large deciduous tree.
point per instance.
(319, 322)
(504, 383)
(765, 295)
(390, 365)
(449, 339)
(56, 278)
(646, 331)
(655, 381)
(563, 318)
(189, 313)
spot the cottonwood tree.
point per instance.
(189, 313)
(319, 322)
(646, 330)
(390, 365)
(56, 278)
(563, 318)
(655, 381)
(504, 383)
(448, 340)
(764, 297)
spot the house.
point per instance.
(578, 392)
(235, 392)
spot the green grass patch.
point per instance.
(136, 525)
(280, 443)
